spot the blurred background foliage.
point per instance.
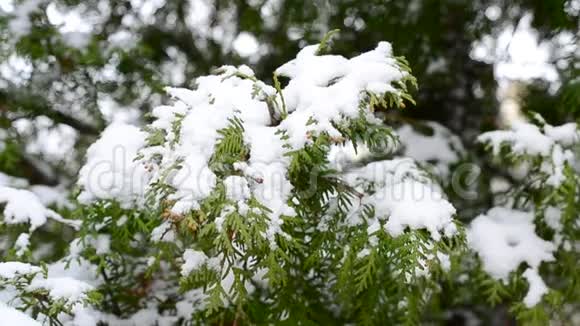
(70, 67)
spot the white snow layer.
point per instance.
(110, 171)
(327, 87)
(11, 316)
(193, 260)
(505, 238)
(442, 147)
(537, 287)
(67, 288)
(23, 206)
(404, 197)
(549, 142)
(11, 269)
(20, 24)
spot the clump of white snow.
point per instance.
(192, 260)
(537, 287)
(404, 196)
(441, 148)
(67, 288)
(23, 206)
(56, 196)
(22, 243)
(548, 142)
(11, 316)
(19, 23)
(566, 134)
(236, 188)
(325, 88)
(163, 232)
(111, 171)
(523, 138)
(504, 238)
(417, 206)
(11, 269)
(10, 181)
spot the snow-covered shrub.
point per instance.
(254, 223)
(248, 203)
(529, 242)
